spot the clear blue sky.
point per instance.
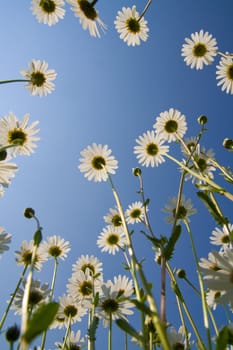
(109, 93)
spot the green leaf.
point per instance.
(222, 339)
(37, 237)
(125, 326)
(210, 205)
(40, 321)
(169, 248)
(141, 306)
(92, 328)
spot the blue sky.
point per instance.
(108, 93)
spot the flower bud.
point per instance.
(136, 171)
(12, 334)
(29, 213)
(181, 273)
(228, 144)
(202, 119)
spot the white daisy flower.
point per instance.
(23, 256)
(112, 305)
(123, 286)
(130, 26)
(200, 50)
(224, 74)
(135, 213)
(48, 11)
(185, 209)
(74, 341)
(212, 297)
(221, 236)
(88, 16)
(55, 247)
(202, 159)
(5, 240)
(70, 310)
(7, 171)
(88, 263)
(210, 264)
(177, 340)
(150, 149)
(18, 133)
(38, 295)
(111, 239)
(113, 217)
(170, 125)
(82, 286)
(97, 162)
(39, 78)
(189, 147)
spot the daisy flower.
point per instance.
(74, 341)
(200, 50)
(70, 310)
(130, 26)
(210, 264)
(7, 171)
(97, 162)
(90, 264)
(212, 297)
(150, 149)
(39, 78)
(170, 125)
(221, 236)
(82, 286)
(177, 340)
(111, 239)
(184, 211)
(202, 160)
(112, 305)
(224, 74)
(123, 286)
(113, 217)
(189, 146)
(135, 213)
(38, 295)
(5, 240)
(88, 16)
(48, 11)
(55, 247)
(18, 133)
(23, 256)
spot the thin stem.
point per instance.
(67, 333)
(13, 81)
(163, 290)
(201, 178)
(203, 298)
(226, 55)
(110, 332)
(145, 9)
(12, 297)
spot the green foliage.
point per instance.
(210, 205)
(170, 246)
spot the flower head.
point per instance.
(184, 211)
(88, 263)
(70, 310)
(189, 146)
(88, 16)
(40, 78)
(55, 247)
(18, 133)
(48, 11)
(200, 50)
(150, 149)
(170, 125)
(113, 217)
(82, 286)
(221, 237)
(135, 213)
(176, 339)
(5, 240)
(24, 255)
(111, 239)
(130, 26)
(224, 74)
(38, 295)
(97, 162)
(74, 341)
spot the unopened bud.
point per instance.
(29, 213)
(136, 171)
(228, 144)
(12, 334)
(3, 155)
(202, 119)
(181, 273)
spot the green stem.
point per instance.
(50, 298)
(145, 9)
(67, 333)
(110, 333)
(181, 298)
(12, 297)
(201, 284)
(202, 178)
(13, 81)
